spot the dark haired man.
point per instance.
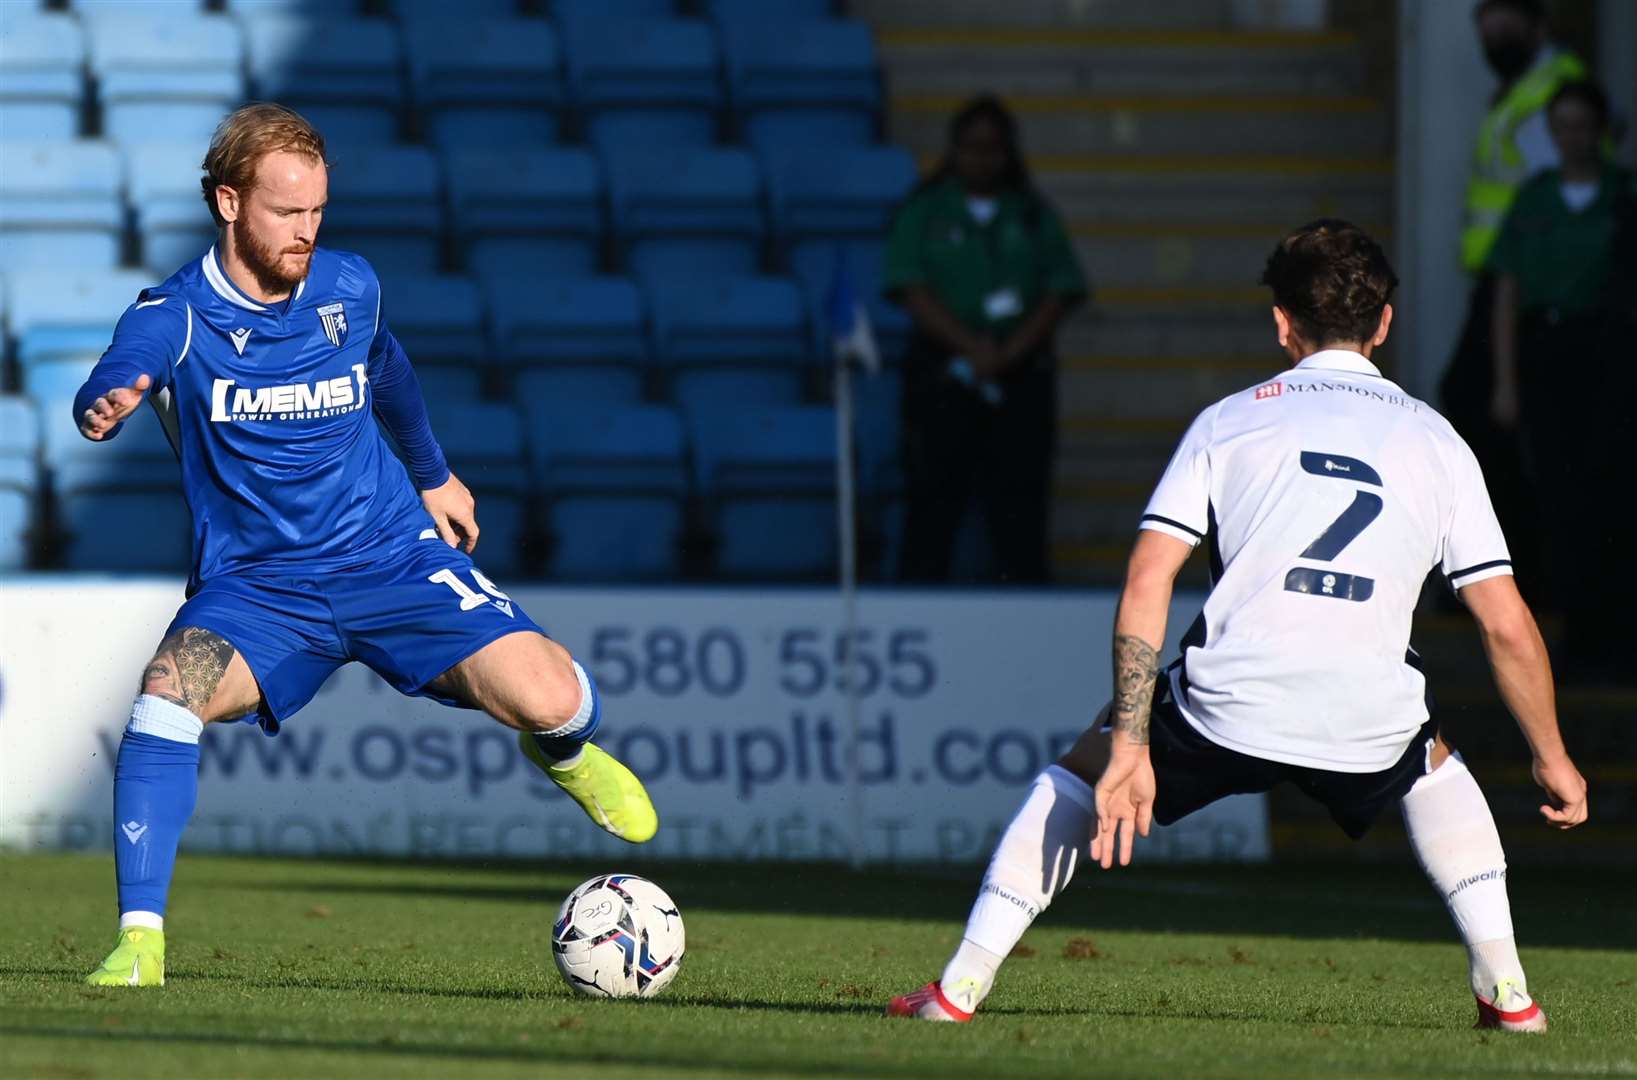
(1324, 495)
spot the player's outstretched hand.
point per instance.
(1565, 792)
(454, 513)
(112, 408)
(1125, 803)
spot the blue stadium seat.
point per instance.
(808, 82)
(439, 319)
(644, 81)
(837, 192)
(172, 220)
(99, 8)
(49, 380)
(526, 211)
(173, 75)
(815, 263)
(485, 81)
(484, 444)
(41, 57)
(19, 490)
(386, 203)
(340, 73)
(450, 382)
(59, 205)
(767, 477)
(307, 8)
(742, 10)
(614, 483)
(570, 10)
(119, 501)
(567, 318)
(738, 340)
(58, 317)
(426, 9)
(686, 210)
(19, 478)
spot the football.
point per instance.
(618, 936)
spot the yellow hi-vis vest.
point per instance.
(1498, 166)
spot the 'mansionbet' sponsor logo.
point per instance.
(293, 401)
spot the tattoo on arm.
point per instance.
(188, 667)
(1136, 663)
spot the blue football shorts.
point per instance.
(414, 614)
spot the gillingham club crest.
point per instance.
(333, 317)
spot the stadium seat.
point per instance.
(424, 9)
(740, 340)
(837, 192)
(815, 264)
(570, 10)
(526, 211)
(767, 478)
(120, 501)
(166, 73)
(19, 489)
(340, 73)
(484, 445)
(58, 317)
(643, 81)
(438, 319)
(307, 8)
(458, 383)
(172, 221)
(567, 318)
(49, 380)
(41, 81)
(484, 81)
(19, 429)
(386, 203)
(686, 211)
(614, 485)
(808, 82)
(741, 10)
(60, 205)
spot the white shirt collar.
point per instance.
(1339, 360)
(228, 291)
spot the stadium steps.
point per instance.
(1163, 135)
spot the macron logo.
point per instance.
(133, 830)
(1271, 390)
(151, 303)
(241, 338)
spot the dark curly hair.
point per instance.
(1333, 281)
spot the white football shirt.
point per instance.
(1327, 495)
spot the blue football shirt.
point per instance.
(283, 467)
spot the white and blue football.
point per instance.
(618, 936)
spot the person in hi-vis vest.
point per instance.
(1513, 143)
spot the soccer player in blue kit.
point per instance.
(312, 547)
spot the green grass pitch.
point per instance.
(289, 968)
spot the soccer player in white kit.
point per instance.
(1325, 496)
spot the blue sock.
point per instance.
(156, 783)
(564, 742)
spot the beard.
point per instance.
(265, 263)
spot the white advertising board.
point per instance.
(728, 703)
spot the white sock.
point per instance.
(142, 918)
(1454, 837)
(1032, 864)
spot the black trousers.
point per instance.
(957, 448)
(1575, 416)
(1465, 395)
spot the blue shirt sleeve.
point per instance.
(402, 410)
(150, 339)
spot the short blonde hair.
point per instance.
(246, 136)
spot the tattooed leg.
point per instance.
(200, 671)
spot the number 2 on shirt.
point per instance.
(1365, 508)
